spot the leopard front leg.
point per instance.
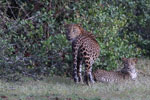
(75, 75)
(75, 58)
(79, 69)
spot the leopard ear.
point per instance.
(79, 25)
(81, 28)
(135, 60)
(124, 59)
(65, 24)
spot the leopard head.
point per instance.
(73, 31)
(129, 66)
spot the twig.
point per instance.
(11, 9)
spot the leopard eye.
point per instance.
(125, 64)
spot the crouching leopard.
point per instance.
(127, 72)
(85, 50)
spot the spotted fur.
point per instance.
(85, 50)
(127, 72)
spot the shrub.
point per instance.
(32, 32)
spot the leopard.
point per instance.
(85, 50)
(128, 72)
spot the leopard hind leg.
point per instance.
(88, 72)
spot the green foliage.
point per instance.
(33, 34)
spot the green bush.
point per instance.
(106, 21)
(33, 32)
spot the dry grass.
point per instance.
(59, 88)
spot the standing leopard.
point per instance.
(127, 72)
(85, 50)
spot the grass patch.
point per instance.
(61, 88)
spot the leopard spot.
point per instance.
(84, 53)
